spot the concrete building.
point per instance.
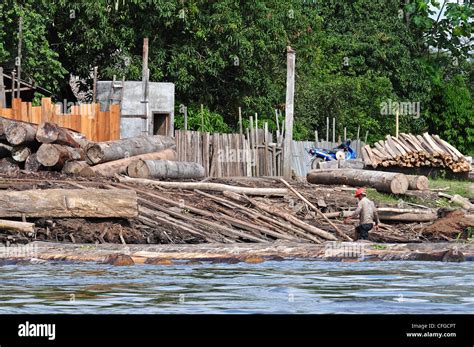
(136, 119)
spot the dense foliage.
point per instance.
(352, 55)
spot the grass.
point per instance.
(454, 187)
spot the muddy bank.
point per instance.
(224, 253)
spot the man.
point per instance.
(367, 214)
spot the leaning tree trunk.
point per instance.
(18, 133)
(390, 182)
(417, 182)
(52, 155)
(52, 133)
(79, 203)
(164, 169)
(111, 168)
(102, 152)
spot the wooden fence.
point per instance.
(84, 118)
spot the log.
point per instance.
(8, 166)
(20, 153)
(111, 168)
(17, 226)
(205, 186)
(79, 203)
(3, 125)
(48, 132)
(294, 191)
(74, 167)
(18, 133)
(102, 152)
(164, 169)
(416, 182)
(53, 155)
(390, 182)
(408, 217)
(32, 164)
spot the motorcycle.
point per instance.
(341, 152)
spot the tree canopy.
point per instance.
(352, 55)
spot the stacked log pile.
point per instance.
(408, 150)
(48, 147)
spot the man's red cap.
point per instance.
(359, 192)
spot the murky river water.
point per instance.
(270, 287)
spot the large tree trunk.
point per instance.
(111, 168)
(20, 153)
(79, 203)
(164, 169)
(205, 186)
(52, 133)
(417, 182)
(3, 125)
(18, 133)
(74, 167)
(52, 155)
(102, 152)
(389, 182)
(8, 166)
(17, 226)
(32, 164)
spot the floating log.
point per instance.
(17, 226)
(111, 168)
(18, 133)
(20, 153)
(164, 169)
(74, 167)
(417, 182)
(93, 203)
(102, 152)
(52, 155)
(50, 251)
(204, 186)
(48, 132)
(390, 182)
(32, 164)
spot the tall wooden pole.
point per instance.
(289, 108)
(20, 40)
(3, 100)
(94, 87)
(396, 124)
(202, 117)
(327, 129)
(240, 121)
(145, 84)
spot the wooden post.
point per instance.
(358, 142)
(13, 87)
(94, 87)
(3, 100)
(366, 135)
(202, 117)
(396, 123)
(316, 138)
(185, 118)
(277, 124)
(20, 41)
(345, 134)
(333, 130)
(289, 108)
(145, 82)
(327, 129)
(257, 166)
(240, 122)
(266, 170)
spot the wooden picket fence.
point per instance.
(84, 118)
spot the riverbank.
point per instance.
(114, 254)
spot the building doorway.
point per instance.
(161, 123)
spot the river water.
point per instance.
(297, 286)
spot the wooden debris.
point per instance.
(165, 169)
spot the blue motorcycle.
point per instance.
(341, 152)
